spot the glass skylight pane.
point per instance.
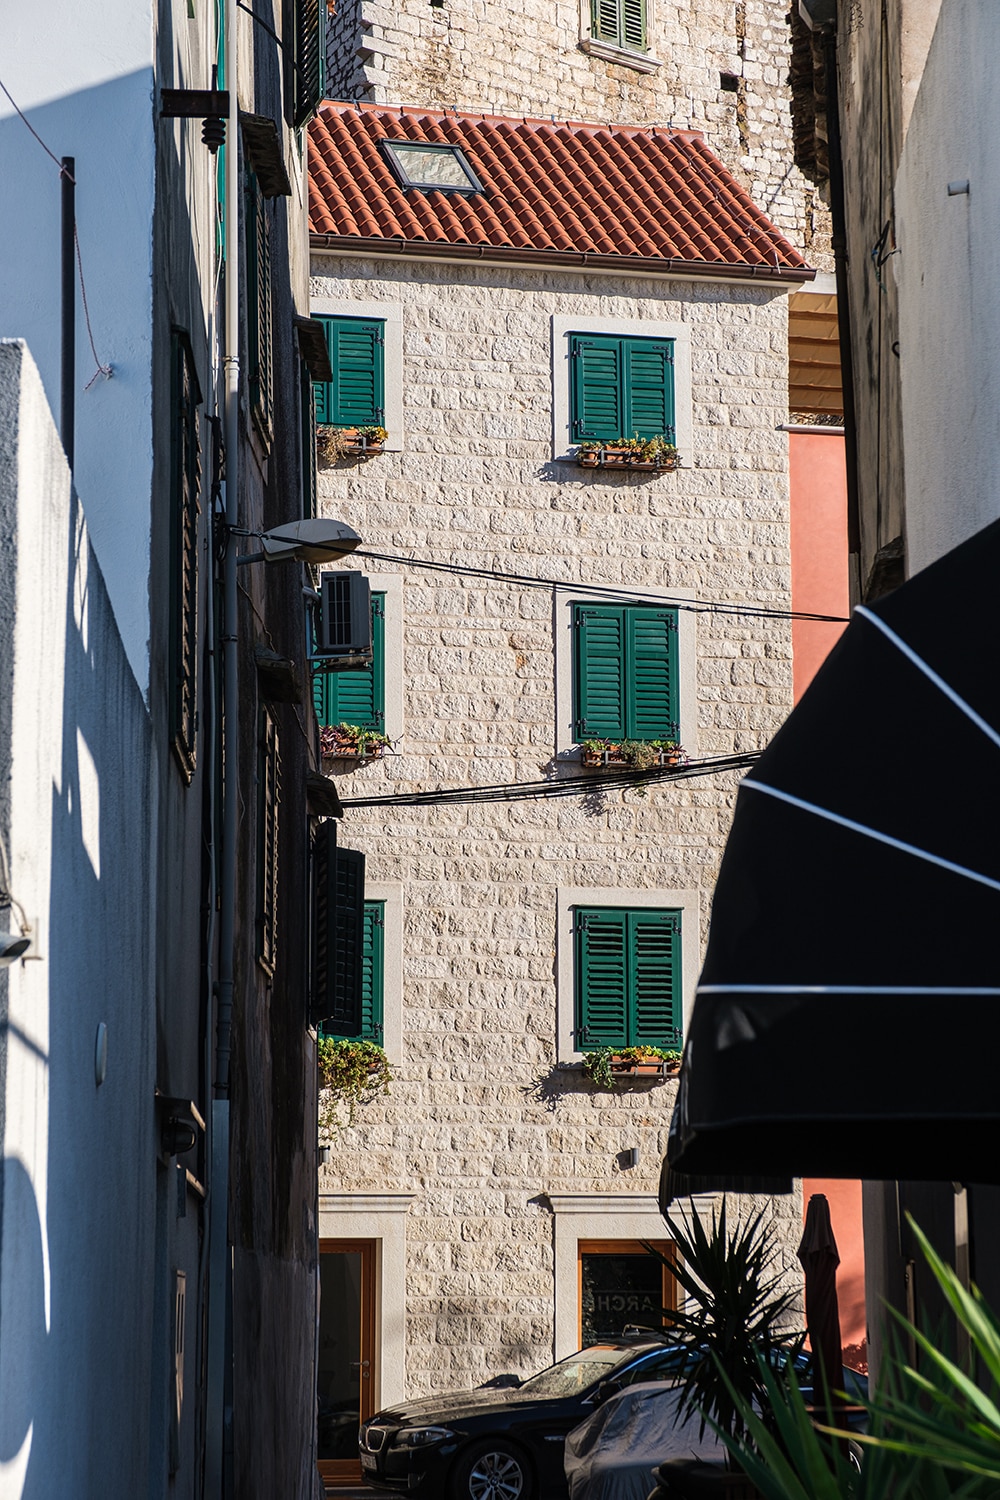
(433, 167)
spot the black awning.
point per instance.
(847, 1021)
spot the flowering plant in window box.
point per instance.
(349, 1073)
(352, 742)
(639, 755)
(335, 443)
(655, 454)
(607, 1066)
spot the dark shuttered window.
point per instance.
(628, 978)
(370, 1026)
(620, 22)
(625, 667)
(260, 355)
(355, 397)
(268, 804)
(185, 507)
(307, 413)
(357, 695)
(338, 938)
(621, 388)
(309, 54)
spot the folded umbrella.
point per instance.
(847, 1020)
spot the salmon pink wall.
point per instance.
(818, 483)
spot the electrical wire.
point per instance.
(600, 590)
(570, 786)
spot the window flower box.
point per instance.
(607, 1066)
(336, 443)
(637, 755)
(649, 455)
(351, 742)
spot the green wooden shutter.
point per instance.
(655, 1006)
(633, 25)
(268, 804)
(185, 504)
(260, 369)
(322, 393)
(307, 413)
(356, 395)
(599, 641)
(338, 934)
(602, 973)
(649, 387)
(372, 954)
(604, 23)
(596, 388)
(309, 51)
(356, 695)
(651, 674)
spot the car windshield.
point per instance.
(576, 1373)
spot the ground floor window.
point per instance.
(622, 1285)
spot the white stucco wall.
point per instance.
(948, 273)
(83, 75)
(77, 1206)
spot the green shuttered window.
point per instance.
(355, 397)
(620, 22)
(625, 661)
(621, 387)
(309, 56)
(372, 979)
(628, 978)
(357, 695)
(260, 357)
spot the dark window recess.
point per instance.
(370, 1026)
(617, 1291)
(621, 388)
(309, 58)
(338, 935)
(268, 804)
(260, 356)
(185, 508)
(345, 619)
(620, 22)
(358, 696)
(355, 396)
(628, 978)
(625, 672)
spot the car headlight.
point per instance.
(421, 1437)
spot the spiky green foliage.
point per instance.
(934, 1427)
(735, 1311)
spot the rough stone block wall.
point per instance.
(523, 57)
(481, 1123)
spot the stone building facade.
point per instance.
(717, 66)
(494, 1158)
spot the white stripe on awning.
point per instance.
(930, 673)
(845, 989)
(872, 833)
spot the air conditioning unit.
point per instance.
(344, 628)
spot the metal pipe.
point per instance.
(68, 373)
(838, 216)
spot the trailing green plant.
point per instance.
(736, 1320)
(934, 1423)
(335, 443)
(349, 1073)
(351, 739)
(598, 1063)
(652, 450)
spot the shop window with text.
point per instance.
(355, 397)
(621, 1285)
(370, 1025)
(625, 673)
(621, 387)
(628, 990)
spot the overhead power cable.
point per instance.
(568, 786)
(600, 590)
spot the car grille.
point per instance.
(374, 1438)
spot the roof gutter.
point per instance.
(654, 265)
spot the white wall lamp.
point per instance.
(314, 541)
(13, 945)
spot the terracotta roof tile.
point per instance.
(555, 190)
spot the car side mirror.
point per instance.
(606, 1390)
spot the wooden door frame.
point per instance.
(341, 1472)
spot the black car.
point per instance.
(503, 1444)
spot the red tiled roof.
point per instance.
(563, 193)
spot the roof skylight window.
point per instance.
(431, 168)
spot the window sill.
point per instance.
(641, 62)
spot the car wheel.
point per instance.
(492, 1470)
